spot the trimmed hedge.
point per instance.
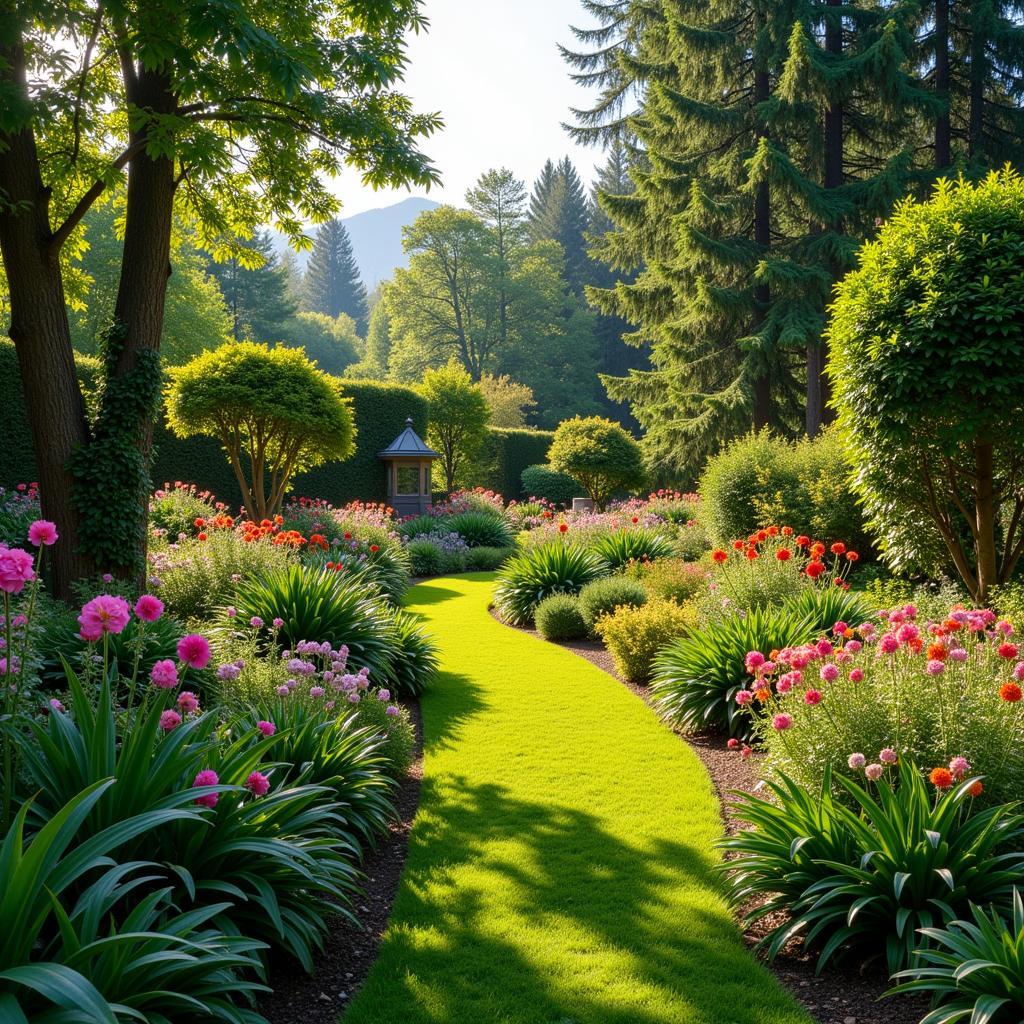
(545, 482)
(380, 411)
(507, 452)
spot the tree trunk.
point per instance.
(763, 238)
(40, 332)
(943, 133)
(978, 76)
(985, 515)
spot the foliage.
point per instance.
(272, 405)
(322, 603)
(432, 554)
(603, 597)
(174, 510)
(825, 606)
(925, 339)
(487, 559)
(527, 578)
(636, 635)
(896, 863)
(458, 418)
(481, 529)
(506, 453)
(415, 662)
(509, 401)
(332, 284)
(990, 988)
(669, 579)
(599, 454)
(19, 508)
(542, 481)
(330, 342)
(632, 544)
(558, 617)
(697, 677)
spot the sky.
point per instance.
(493, 70)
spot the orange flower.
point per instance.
(817, 549)
(975, 788)
(737, 545)
(951, 625)
(941, 778)
(938, 652)
(1010, 692)
(762, 694)
(762, 536)
(773, 531)
(719, 556)
(803, 540)
(199, 523)
(202, 536)
(751, 554)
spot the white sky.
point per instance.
(493, 70)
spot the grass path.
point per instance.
(560, 865)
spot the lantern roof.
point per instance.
(408, 444)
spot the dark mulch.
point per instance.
(350, 950)
(844, 995)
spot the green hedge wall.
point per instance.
(507, 452)
(380, 412)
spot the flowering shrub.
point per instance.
(670, 578)
(634, 636)
(937, 692)
(174, 509)
(19, 508)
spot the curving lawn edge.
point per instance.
(561, 867)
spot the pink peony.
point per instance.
(164, 674)
(267, 728)
(755, 659)
(194, 650)
(169, 720)
(258, 784)
(829, 673)
(42, 532)
(103, 614)
(782, 722)
(856, 761)
(207, 777)
(874, 772)
(149, 608)
(16, 569)
(187, 702)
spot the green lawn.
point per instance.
(560, 866)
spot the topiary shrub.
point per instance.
(558, 618)
(634, 636)
(602, 597)
(529, 577)
(601, 456)
(550, 484)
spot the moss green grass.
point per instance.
(561, 867)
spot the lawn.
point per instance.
(561, 867)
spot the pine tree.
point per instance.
(332, 281)
(255, 289)
(558, 211)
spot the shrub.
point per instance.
(697, 678)
(823, 607)
(507, 452)
(634, 544)
(558, 617)
(388, 568)
(488, 559)
(992, 988)
(669, 579)
(324, 604)
(393, 723)
(926, 348)
(602, 597)
(934, 695)
(527, 578)
(419, 525)
(634, 636)
(175, 509)
(599, 454)
(415, 663)
(849, 878)
(437, 553)
(481, 529)
(549, 484)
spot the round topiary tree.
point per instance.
(599, 454)
(271, 405)
(927, 367)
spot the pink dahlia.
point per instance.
(103, 614)
(42, 532)
(207, 777)
(194, 650)
(149, 608)
(16, 569)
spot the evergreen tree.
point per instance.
(558, 211)
(377, 354)
(332, 281)
(255, 289)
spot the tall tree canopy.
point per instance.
(558, 212)
(237, 113)
(332, 284)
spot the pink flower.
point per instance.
(856, 761)
(888, 644)
(908, 632)
(755, 659)
(874, 772)
(1018, 670)
(267, 728)
(812, 697)
(41, 532)
(957, 654)
(164, 674)
(316, 691)
(169, 720)
(829, 673)
(744, 697)
(149, 608)
(856, 675)
(1003, 626)
(824, 647)
(194, 650)
(258, 784)
(782, 722)
(959, 767)
(887, 755)
(207, 777)
(745, 753)
(16, 569)
(282, 691)
(383, 695)
(277, 623)
(391, 711)
(935, 667)
(56, 704)
(103, 614)
(187, 702)
(853, 646)
(732, 743)
(231, 610)
(256, 622)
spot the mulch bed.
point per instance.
(350, 950)
(840, 995)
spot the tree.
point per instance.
(458, 419)
(558, 211)
(599, 454)
(927, 351)
(332, 344)
(255, 287)
(195, 316)
(377, 350)
(508, 400)
(236, 113)
(332, 284)
(270, 405)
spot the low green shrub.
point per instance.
(415, 663)
(488, 559)
(437, 554)
(670, 579)
(480, 529)
(632, 544)
(870, 876)
(602, 597)
(555, 568)
(558, 617)
(544, 482)
(634, 636)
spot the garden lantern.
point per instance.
(407, 460)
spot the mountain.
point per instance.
(376, 237)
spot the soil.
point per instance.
(350, 949)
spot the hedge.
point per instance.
(507, 452)
(380, 413)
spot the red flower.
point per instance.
(783, 554)
(814, 569)
(737, 545)
(202, 536)
(1010, 692)
(787, 531)
(636, 519)
(374, 548)
(1007, 650)
(751, 554)
(838, 548)
(199, 523)
(817, 549)
(563, 527)
(719, 556)
(802, 541)
(941, 778)
(852, 556)
(762, 536)
(347, 535)
(773, 531)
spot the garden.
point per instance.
(613, 616)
